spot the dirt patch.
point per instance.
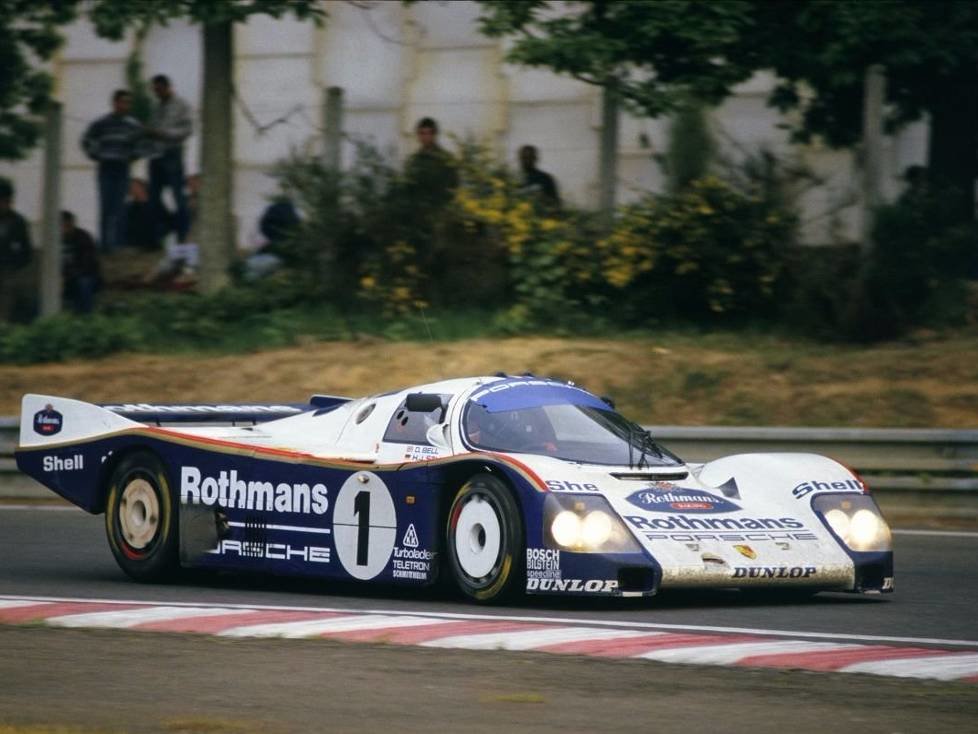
(676, 380)
(131, 682)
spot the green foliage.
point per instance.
(549, 273)
(66, 336)
(928, 50)
(914, 276)
(825, 48)
(28, 35)
(369, 234)
(708, 252)
(918, 260)
(713, 250)
(338, 209)
(822, 284)
(113, 17)
(658, 52)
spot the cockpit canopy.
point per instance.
(551, 418)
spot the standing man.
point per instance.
(169, 126)
(16, 251)
(536, 182)
(431, 170)
(113, 141)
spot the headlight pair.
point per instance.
(585, 524)
(856, 520)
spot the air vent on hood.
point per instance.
(645, 476)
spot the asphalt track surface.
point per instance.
(122, 681)
(63, 553)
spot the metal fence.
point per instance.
(924, 462)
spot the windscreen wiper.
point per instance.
(631, 434)
(647, 442)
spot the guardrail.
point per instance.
(889, 459)
(9, 430)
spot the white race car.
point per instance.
(504, 484)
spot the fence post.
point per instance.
(609, 152)
(874, 93)
(50, 272)
(333, 127)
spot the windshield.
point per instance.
(574, 432)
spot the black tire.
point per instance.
(140, 518)
(485, 541)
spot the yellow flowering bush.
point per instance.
(392, 280)
(712, 249)
(709, 250)
(548, 253)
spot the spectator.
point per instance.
(80, 269)
(140, 224)
(177, 269)
(431, 170)
(278, 222)
(536, 182)
(113, 141)
(16, 251)
(170, 125)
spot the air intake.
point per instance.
(644, 476)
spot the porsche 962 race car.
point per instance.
(502, 484)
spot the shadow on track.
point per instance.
(326, 593)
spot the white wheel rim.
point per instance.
(139, 514)
(478, 538)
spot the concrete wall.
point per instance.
(397, 64)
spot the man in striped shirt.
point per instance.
(113, 141)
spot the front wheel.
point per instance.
(484, 537)
(139, 518)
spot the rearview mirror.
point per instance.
(436, 435)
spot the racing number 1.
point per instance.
(361, 508)
(364, 525)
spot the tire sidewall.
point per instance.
(508, 573)
(159, 558)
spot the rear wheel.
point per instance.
(484, 538)
(139, 518)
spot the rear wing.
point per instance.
(156, 414)
(233, 413)
(50, 419)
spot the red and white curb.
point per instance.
(744, 648)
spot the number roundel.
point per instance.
(364, 525)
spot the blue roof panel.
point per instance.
(517, 393)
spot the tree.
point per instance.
(28, 34)
(660, 52)
(929, 52)
(216, 17)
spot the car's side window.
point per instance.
(408, 426)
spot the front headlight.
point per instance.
(566, 528)
(856, 520)
(585, 525)
(596, 528)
